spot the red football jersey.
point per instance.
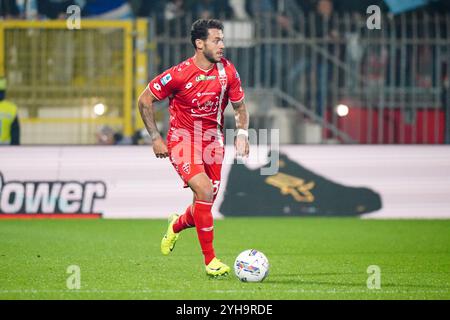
(194, 94)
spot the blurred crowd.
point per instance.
(170, 9)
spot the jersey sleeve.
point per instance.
(235, 93)
(163, 85)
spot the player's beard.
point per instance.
(209, 55)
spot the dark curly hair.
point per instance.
(199, 29)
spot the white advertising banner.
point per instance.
(130, 182)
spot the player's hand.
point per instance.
(160, 148)
(242, 146)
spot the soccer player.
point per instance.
(198, 90)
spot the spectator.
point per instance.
(106, 9)
(271, 23)
(442, 6)
(261, 7)
(275, 19)
(141, 137)
(9, 119)
(358, 7)
(315, 66)
(306, 6)
(53, 9)
(8, 9)
(151, 8)
(445, 97)
(107, 136)
(238, 8)
(28, 9)
(174, 9)
(323, 26)
(211, 9)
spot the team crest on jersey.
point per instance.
(166, 79)
(202, 77)
(223, 80)
(186, 168)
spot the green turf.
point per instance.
(310, 259)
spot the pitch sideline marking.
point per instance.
(225, 291)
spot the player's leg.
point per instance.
(185, 221)
(204, 196)
(213, 156)
(203, 193)
(213, 171)
(186, 168)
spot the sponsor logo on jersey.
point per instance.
(206, 109)
(203, 77)
(189, 85)
(223, 80)
(166, 79)
(201, 94)
(157, 86)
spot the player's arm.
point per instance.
(241, 116)
(147, 112)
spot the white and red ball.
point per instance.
(251, 266)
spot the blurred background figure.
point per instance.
(9, 119)
(141, 137)
(105, 136)
(53, 9)
(174, 9)
(8, 9)
(211, 9)
(239, 11)
(106, 9)
(28, 9)
(108, 136)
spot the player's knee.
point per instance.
(202, 187)
(205, 194)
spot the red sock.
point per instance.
(184, 221)
(204, 223)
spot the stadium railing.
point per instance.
(392, 82)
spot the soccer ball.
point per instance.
(251, 266)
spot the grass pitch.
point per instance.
(319, 258)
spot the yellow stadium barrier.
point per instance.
(69, 83)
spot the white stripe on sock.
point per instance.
(205, 203)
